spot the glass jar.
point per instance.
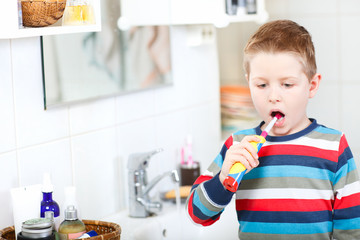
(78, 12)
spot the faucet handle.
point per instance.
(140, 161)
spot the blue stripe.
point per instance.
(201, 207)
(347, 213)
(344, 170)
(218, 160)
(284, 216)
(298, 161)
(289, 171)
(250, 131)
(347, 224)
(323, 129)
(303, 132)
(197, 212)
(286, 228)
(344, 157)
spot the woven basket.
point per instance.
(42, 13)
(105, 231)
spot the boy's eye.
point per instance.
(261, 85)
(288, 85)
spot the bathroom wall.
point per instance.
(335, 29)
(88, 144)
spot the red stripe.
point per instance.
(343, 144)
(284, 149)
(347, 202)
(201, 179)
(229, 142)
(283, 205)
(206, 222)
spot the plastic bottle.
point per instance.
(71, 227)
(92, 233)
(47, 203)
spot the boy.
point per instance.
(303, 183)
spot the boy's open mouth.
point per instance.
(274, 113)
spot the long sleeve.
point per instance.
(347, 196)
(208, 197)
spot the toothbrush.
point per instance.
(182, 156)
(189, 149)
(238, 170)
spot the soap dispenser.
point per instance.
(47, 203)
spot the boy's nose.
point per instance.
(274, 95)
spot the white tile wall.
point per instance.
(7, 120)
(8, 179)
(88, 144)
(33, 124)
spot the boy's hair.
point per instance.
(282, 36)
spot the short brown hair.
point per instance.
(282, 36)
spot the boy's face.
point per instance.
(278, 84)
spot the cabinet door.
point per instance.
(176, 12)
(197, 11)
(145, 12)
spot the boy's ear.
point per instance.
(247, 77)
(314, 85)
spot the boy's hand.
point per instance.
(242, 152)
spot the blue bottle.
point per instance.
(47, 203)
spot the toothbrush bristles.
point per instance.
(278, 116)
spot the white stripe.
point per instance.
(209, 199)
(348, 190)
(208, 173)
(310, 142)
(281, 193)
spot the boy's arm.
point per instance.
(347, 196)
(208, 196)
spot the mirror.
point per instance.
(83, 66)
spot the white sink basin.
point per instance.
(174, 224)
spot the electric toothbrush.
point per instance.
(238, 170)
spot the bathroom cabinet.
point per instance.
(180, 12)
(10, 27)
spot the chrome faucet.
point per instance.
(139, 201)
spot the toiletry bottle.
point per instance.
(79, 12)
(88, 12)
(20, 18)
(47, 203)
(71, 227)
(70, 199)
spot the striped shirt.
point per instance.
(305, 187)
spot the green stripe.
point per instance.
(214, 168)
(347, 234)
(205, 202)
(285, 182)
(258, 236)
(325, 136)
(351, 177)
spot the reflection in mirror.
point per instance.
(82, 66)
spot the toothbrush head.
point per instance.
(278, 116)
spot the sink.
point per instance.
(173, 223)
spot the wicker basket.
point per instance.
(41, 13)
(105, 231)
